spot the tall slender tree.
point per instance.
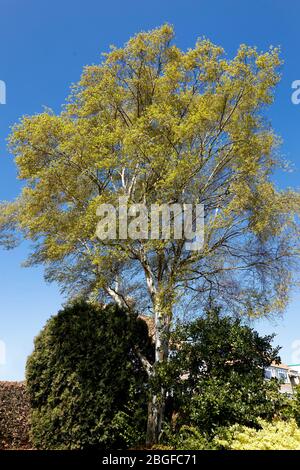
(158, 125)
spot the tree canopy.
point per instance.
(157, 124)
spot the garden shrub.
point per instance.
(85, 382)
(216, 374)
(187, 438)
(291, 409)
(277, 435)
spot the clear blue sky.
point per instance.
(45, 44)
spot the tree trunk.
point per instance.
(156, 408)
(156, 405)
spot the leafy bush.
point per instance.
(217, 374)
(291, 409)
(187, 438)
(278, 435)
(85, 382)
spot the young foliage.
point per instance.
(278, 435)
(157, 124)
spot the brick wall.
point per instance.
(14, 416)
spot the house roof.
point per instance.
(292, 372)
(280, 366)
(150, 323)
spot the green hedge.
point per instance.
(85, 381)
